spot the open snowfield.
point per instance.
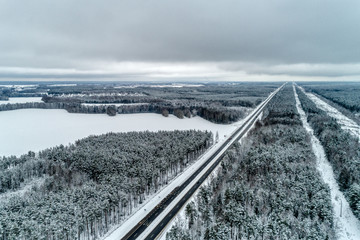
(21, 100)
(347, 226)
(345, 122)
(113, 104)
(37, 129)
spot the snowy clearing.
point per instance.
(36, 129)
(19, 88)
(21, 100)
(26, 186)
(63, 85)
(347, 226)
(110, 94)
(174, 85)
(345, 122)
(114, 104)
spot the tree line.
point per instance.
(213, 102)
(214, 114)
(347, 96)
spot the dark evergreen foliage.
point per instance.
(93, 184)
(346, 95)
(268, 188)
(341, 148)
(212, 102)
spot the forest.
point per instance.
(346, 95)
(80, 191)
(267, 187)
(341, 148)
(217, 102)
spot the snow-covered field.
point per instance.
(21, 100)
(345, 122)
(347, 226)
(63, 85)
(174, 85)
(112, 94)
(115, 104)
(36, 129)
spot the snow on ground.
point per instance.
(19, 87)
(115, 104)
(120, 230)
(4, 197)
(36, 129)
(21, 100)
(345, 122)
(107, 94)
(347, 226)
(152, 201)
(174, 85)
(63, 85)
(180, 217)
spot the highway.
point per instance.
(182, 193)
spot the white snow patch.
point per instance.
(174, 85)
(63, 85)
(4, 197)
(347, 226)
(111, 94)
(114, 104)
(345, 122)
(19, 87)
(21, 100)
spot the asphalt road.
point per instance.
(136, 231)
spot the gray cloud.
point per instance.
(301, 69)
(260, 35)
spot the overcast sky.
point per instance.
(187, 39)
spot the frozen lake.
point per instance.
(37, 129)
(21, 100)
